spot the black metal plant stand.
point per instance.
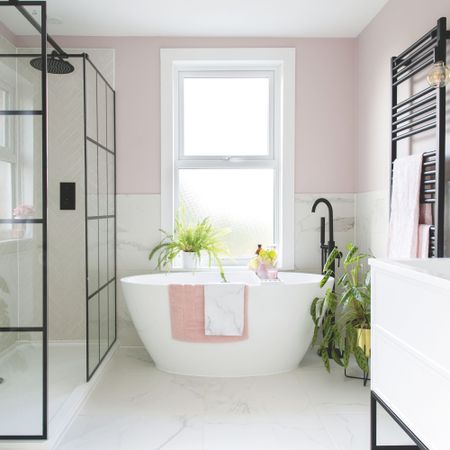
(365, 378)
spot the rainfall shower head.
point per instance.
(55, 64)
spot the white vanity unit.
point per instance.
(411, 348)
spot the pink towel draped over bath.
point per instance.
(187, 315)
(404, 221)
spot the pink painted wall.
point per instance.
(398, 25)
(325, 106)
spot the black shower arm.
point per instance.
(36, 25)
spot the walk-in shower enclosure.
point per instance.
(51, 272)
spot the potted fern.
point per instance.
(342, 318)
(191, 240)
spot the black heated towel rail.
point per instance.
(420, 113)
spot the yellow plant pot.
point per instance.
(363, 339)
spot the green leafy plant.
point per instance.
(194, 238)
(339, 317)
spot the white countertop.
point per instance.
(436, 271)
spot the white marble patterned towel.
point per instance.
(404, 222)
(224, 309)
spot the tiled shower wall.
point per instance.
(66, 253)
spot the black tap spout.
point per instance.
(330, 215)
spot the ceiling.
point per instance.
(269, 18)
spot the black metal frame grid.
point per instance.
(44, 38)
(110, 281)
(420, 113)
(42, 28)
(376, 400)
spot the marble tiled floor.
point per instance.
(137, 407)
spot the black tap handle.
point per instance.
(338, 257)
(322, 230)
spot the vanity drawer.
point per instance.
(413, 311)
(416, 391)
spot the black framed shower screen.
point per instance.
(100, 224)
(32, 329)
(100, 204)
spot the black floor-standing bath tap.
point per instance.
(326, 249)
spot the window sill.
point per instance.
(210, 269)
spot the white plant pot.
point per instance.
(189, 260)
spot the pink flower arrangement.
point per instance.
(265, 263)
(23, 211)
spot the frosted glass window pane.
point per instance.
(226, 116)
(26, 174)
(239, 199)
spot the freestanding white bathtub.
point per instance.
(279, 324)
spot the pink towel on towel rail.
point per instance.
(404, 221)
(425, 222)
(187, 315)
(423, 246)
(426, 214)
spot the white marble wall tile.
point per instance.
(307, 227)
(372, 221)
(138, 223)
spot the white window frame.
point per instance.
(279, 64)
(8, 153)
